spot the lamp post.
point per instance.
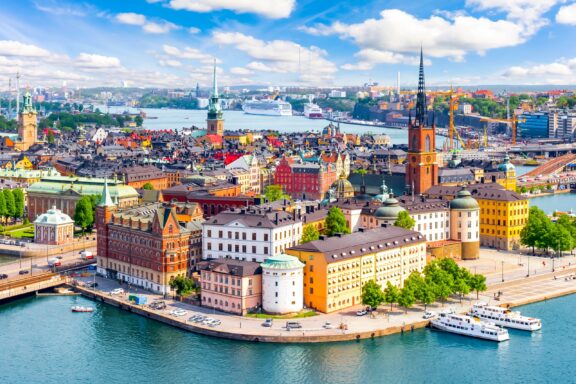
(502, 270)
(528, 274)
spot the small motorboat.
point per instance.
(79, 308)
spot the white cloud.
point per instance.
(240, 71)
(93, 61)
(50, 6)
(16, 48)
(368, 58)
(170, 63)
(188, 53)
(274, 9)
(280, 56)
(155, 27)
(562, 71)
(567, 15)
(193, 30)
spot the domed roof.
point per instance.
(282, 261)
(506, 165)
(463, 201)
(390, 210)
(54, 216)
(343, 188)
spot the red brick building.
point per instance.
(305, 180)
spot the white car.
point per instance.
(362, 312)
(429, 315)
(117, 291)
(178, 312)
(327, 325)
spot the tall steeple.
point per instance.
(215, 121)
(214, 82)
(106, 198)
(421, 97)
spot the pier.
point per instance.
(21, 286)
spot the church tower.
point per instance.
(422, 164)
(104, 211)
(27, 125)
(215, 122)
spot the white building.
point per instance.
(248, 163)
(282, 284)
(465, 219)
(99, 135)
(53, 227)
(250, 234)
(336, 93)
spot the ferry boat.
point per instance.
(79, 308)
(312, 111)
(469, 326)
(505, 317)
(267, 107)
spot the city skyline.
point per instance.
(166, 43)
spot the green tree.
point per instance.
(372, 294)
(50, 137)
(560, 239)
(274, 192)
(336, 222)
(391, 294)
(405, 221)
(183, 285)
(2, 205)
(18, 202)
(569, 224)
(138, 120)
(148, 186)
(83, 214)
(478, 283)
(309, 233)
(461, 287)
(406, 298)
(10, 203)
(423, 290)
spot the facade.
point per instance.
(138, 176)
(305, 180)
(509, 172)
(337, 267)
(561, 124)
(533, 125)
(53, 228)
(64, 192)
(28, 176)
(250, 234)
(422, 164)
(215, 121)
(465, 219)
(282, 284)
(27, 125)
(147, 245)
(233, 286)
(248, 163)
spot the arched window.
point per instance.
(427, 143)
(414, 142)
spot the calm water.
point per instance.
(43, 342)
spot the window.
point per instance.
(427, 143)
(266, 250)
(265, 237)
(254, 236)
(243, 235)
(209, 245)
(253, 249)
(209, 233)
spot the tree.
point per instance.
(309, 233)
(274, 192)
(391, 294)
(2, 205)
(148, 186)
(560, 239)
(405, 221)
(138, 120)
(372, 294)
(406, 298)
(461, 287)
(336, 222)
(478, 283)
(83, 214)
(183, 285)
(50, 137)
(10, 203)
(18, 202)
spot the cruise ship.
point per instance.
(505, 317)
(267, 107)
(469, 326)
(312, 111)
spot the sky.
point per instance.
(175, 43)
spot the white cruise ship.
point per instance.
(505, 317)
(267, 107)
(469, 326)
(313, 111)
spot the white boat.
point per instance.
(79, 308)
(313, 111)
(505, 317)
(267, 107)
(469, 326)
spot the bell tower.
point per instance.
(215, 122)
(104, 211)
(27, 125)
(422, 164)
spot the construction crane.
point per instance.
(513, 121)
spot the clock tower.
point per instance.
(215, 122)
(422, 164)
(27, 125)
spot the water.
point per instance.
(43, 342)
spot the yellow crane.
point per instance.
(513, 121)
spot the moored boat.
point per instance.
(469, 326)
(504, 317)
(80, 308)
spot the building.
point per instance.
(336, 93)
(342, 188)
(248, 163)
(27, 125)
(305, 181)
(147, 245)
(28, 176)
(509, 171)
(337, 267)
(533, 125)
(282, 284)
(64, 192)
(465, 224)
(215, 121)
(561, 124)
(138, 176)
(422, 165)
(233, 286)
(250, 234)
(53, 228)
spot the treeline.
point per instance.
(441, 279)
(69, 122)
(11, 204)
(540, 232)
(151, 100)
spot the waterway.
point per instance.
(42, 342)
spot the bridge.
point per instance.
(25, 285)
(555, 165)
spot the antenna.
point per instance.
(9, 98)
(398, 85)
(17, 93)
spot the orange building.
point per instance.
(138, 176)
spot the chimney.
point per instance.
(322, 237)
(276, 218)
(384, 225)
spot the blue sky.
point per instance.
(286, 42)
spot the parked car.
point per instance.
(327, 325)
(214, 323)
(3, 276)
(117, 291)
(362, 312)
(24, 272)
(267, 323)
(200, 319)
(293, 325)
(91, 284)
(429, 315)
(158, 305)
(178, 312)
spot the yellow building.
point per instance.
(503, 214)
(27, 125)
(509, 171)
(337, 267)
(24, 163)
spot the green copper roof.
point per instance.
(464, 201)
(27, 173)
(83, 186)
(106, 199)
(282, 261)
(390, 210)
(506, 165)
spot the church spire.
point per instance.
(214, 82)
(106, 199)
(421, 97)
